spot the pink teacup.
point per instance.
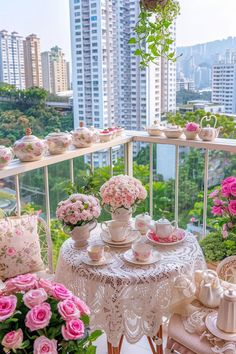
(96, 252)
(142, 251)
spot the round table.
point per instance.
(125, 299)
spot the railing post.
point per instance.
(177, 183)
(92, 163)
(72, 171)
(129, 158)
(110, 162)
(48, 218)
(151, 179)
(206, 169)
(18, 202)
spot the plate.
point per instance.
(212, 327)
(178, 236)
(132, 236)
(129, 257)
(107, 259)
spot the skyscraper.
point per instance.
(12, 70)
(32, 58)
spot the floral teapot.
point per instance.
(210, 291)
(29, 148)
(142, 222)
(208, 133)
(163, 227)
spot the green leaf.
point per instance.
(95, 334)
(85, 319)
(150, 39)
(132, 40)
(91, 350)
(138, 52)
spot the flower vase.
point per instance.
(190, 135)
(80, 234)
(122, 214)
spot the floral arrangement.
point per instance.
(78, 210)
(192, 127)
(38, 316)
(122, 191)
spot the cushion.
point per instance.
(19, 246)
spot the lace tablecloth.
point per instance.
(124, 298)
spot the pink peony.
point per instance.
(73, 330)
(38, 317)
(22, 283)
(7, 306)
(233, 188)
(232, 207)
(60, 292)
(34, 297)
(228, 180)
(43, 345)
(81, 305)
(68, 310)
(13, 339)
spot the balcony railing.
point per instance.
(17, 168)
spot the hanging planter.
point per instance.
(153, 31)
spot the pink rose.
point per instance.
(68, 310)
(192, 127)
(81, 305)
(217, 210)
(22, 283)
(38, 317)
(225, 190)
(11, 251)
(232, 207)
(233, 188)
(13, 339)
(43, 345)
(7, 306)
(46, 285)
(73, 330)
(228, 180)
(34, 297)
(60, 292)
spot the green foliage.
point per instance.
(153, 37)
(183, 96)
(215, 248)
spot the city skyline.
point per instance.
(209, 14)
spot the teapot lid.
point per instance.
(163, 221)
(28, 136)
(56, 134)
(230, 295)
(143, 216)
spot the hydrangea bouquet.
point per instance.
(122, 191)
(38, 316)
(78, 210)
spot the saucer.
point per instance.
(212, 327)
(107, 259)
(129, 257)
(178, 236)
(131, 237)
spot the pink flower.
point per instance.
(43, 345)
(81, 305)
(225, 234)
(232, 207)
(68, 310)
(214, 193)
(13, 339)
(34, 297)
(46, 285)
(217, 210)
(38, 317)
(233, 188)
(7, 306)
(225, 190)
(60, 292)
(228, 180)
(192, 127)
(23, 282)
(73, 330)
(11, 251)
(218, 202)
(193, 219)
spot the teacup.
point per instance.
(117, 230)
(141, 251)
(96, 252)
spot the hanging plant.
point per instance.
(153, 35)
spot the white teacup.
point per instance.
(117, 230)
(96, 252)
(142, 251)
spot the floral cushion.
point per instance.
(19, 246)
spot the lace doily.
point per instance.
(124, 298)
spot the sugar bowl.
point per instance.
(6, 155)
(83, 137)
(142, 222)
(29, 148)
(58, 142)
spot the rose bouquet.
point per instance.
(122, 191)
(78, 210)
(38, 316)
(191, 130)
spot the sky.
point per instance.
(200, 21)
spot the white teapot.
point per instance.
(208, 133)
(210, 290)
(163, 227)
(142, 222)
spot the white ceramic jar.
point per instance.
(6, 155)
(83, 137)
(29, 148)
(58, 142)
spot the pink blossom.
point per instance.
(23, 282)
(81, 305)
(214, 193)
(7, 306)
(11, 251)
(233, 188)
(60, 292)
(73, 330)
(217, 210)
(43, 345)
(228, 180)
(13, 339)
(18, 232)
(225, 234)
(35, 297)
(38, 317)
(68, 310)
(225, 190)
(232, 207)
(192, 127)
(46, 285)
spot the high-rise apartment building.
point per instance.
(12, 69)
(55, 70)
(109, 87)
(32, 58)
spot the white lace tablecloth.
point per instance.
(124, 298)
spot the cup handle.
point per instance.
(104, 226)
(174, 224)
(107, 249)
(92, 227)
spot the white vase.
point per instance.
(190, 135)
(122, 214)
(80, 234)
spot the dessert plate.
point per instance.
(131, 237)
(178, 236)
(129, 257)
(107, 259)
(211, 325)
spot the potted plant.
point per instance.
(222, 242)
(153, 36)
(191, 130)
